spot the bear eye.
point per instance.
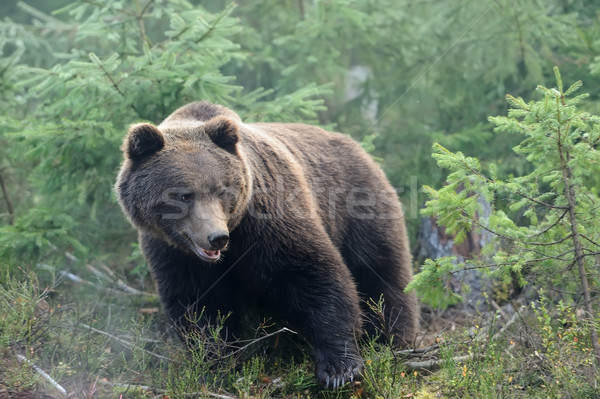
(187, 197)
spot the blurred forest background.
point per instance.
(397, 75)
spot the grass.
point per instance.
(97, 342)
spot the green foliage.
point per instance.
(535, 241)
(121, 63)
(563, 337)
(432, 282)
(18, 301)
(37, 235)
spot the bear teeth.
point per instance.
(213, 255)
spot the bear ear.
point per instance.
(223, 132)
(142, 141)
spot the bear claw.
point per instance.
(333, 376)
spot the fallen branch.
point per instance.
(499, 309)
(124, 288)
(417, 351)
(507, 324)
(432, 365)
(127, 386)
(200, 394)
(254, 341)
(41, 372)
(127, 344)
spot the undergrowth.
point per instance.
(110, 345)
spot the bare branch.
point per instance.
(254, 341)
(415, 351)
(589, 239)
(126, 385)
(435, 363)
(41, 372)
(124, 288)
(127, 344)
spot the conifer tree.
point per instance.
(551, 237)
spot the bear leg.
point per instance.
(379, 259)
(316, 293)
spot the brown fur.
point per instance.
(312, 227)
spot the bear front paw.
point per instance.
(334, 371)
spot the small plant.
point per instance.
(551, 238)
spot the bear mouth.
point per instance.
(205, 254)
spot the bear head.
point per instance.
(185, 182)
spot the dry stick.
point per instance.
(151, 389)
(126, 288)
(76, 279)
(419, 351)
(434, 364)
(9, 206)
(499, 309)
(201, 394)
(43, 374)
(254, 341)
(127, 344)
(127, 385)
(508, 323)
(567, 176)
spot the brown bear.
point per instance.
(291, 214)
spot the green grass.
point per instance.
(128, 353)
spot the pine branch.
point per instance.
(215, 23)
(140, 19)
(98, 63)
(589, 240)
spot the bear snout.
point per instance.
(218, 240)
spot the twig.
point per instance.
(127, 344)
(140, 19)
(508, 324)
(499, 309)
(215, 23)
(434, 364)
(417, 350)
(126, 385)
(200, 394)
(126, 288)
(43, 374)
(73, 277)
(34, 12)
(590, 240)
(254, 341)
(98, 63)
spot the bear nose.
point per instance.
(218, 240)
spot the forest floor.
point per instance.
(95, 336)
